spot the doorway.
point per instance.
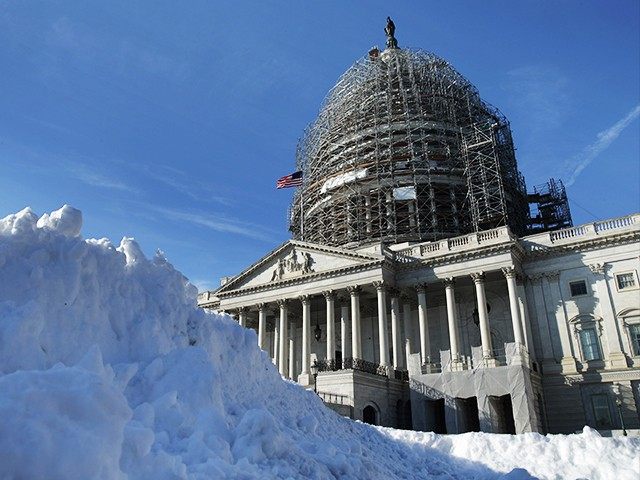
(467, 414)
(369, 415)
(435, 415)
(502, 414)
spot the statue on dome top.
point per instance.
(390, 31)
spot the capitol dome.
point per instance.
(404, 150)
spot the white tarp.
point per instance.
(343, 179)
(404, 193)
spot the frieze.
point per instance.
(293, 265)
(293, 280)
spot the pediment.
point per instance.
(294, 260)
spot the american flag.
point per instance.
(292, 180)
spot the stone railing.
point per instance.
(335, 398)
(455, 244)
(616, 223)
(364, 366)
(567, 233)
(206, 298)
(328, 365)
(541, 241)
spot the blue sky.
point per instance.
(170, 121)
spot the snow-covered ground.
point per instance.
(108, 370)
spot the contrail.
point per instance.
(605, 138)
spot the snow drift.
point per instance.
(109, 370)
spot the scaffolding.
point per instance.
(549, 207)
(404, 150)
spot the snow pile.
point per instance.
(108, 370)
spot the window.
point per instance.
(578, 288)
(626, 281)
(601, 411)
(634, 333)
(589, 342)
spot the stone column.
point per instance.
(514, 306)
(284, 338)
(452, 319)
(383, 336)
(425, 351)
(344, 329)
(407, 325)
(276, 342)
(356, 342)
(524, 314)
(242, 316)
(483, 315)
(615, 357)
(292, 351)
(262, 321)
(398, 359)
(331, 317)
(306, 338)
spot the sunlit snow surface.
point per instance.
(108, 370)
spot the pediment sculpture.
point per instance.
(292, 265)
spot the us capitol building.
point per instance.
(424, 287)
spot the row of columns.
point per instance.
(285, 346)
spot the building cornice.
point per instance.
(535, 252)
(372, 265)
(592, 377)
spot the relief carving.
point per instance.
(293, 265)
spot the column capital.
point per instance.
(354, 290)
(598, 268)
(329, 294)
(394, 292)
(535, 277)
(509, 272)
(380, 286)
(261, 306)
(552, 275)
(477, 277)
(449, 282)
(420, 287)
(282, 303)
(243, 310)
(304, 298)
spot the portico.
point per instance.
(369, 310)
(369, 319)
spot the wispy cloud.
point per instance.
(218, 223)
(604, 139)
(96, 179)
(188, 186)
(541, 92)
